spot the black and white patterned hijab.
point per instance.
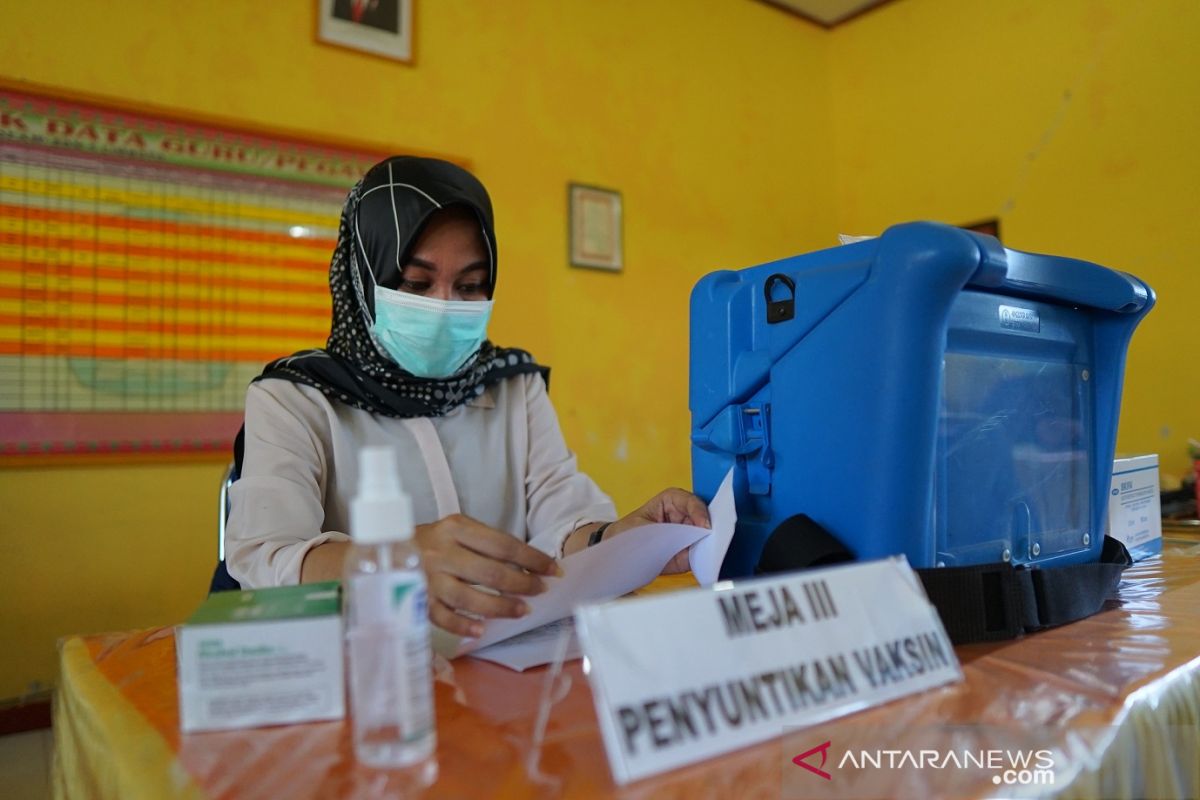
(382, 217)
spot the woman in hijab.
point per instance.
(407, 364)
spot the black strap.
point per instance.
(800, 543)
(984, 602)
(990, 602)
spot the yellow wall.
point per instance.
(736, 134)
(694, 113)
(1074, 122)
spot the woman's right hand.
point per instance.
(460, 555)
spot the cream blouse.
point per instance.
(499, 459)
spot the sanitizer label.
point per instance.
(388, 640)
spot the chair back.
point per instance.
(222, 581)
(223, 514)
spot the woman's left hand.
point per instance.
(669, 505)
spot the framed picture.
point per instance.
(595, 218)
(380, 27)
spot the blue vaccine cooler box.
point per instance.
(927, 393)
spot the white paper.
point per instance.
(612, 568)
(705, 556)
(673, 675)
(845, 238)
(533, 648)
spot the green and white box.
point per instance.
(262, 657)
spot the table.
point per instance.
(1119, 692)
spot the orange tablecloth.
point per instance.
(1119, 692)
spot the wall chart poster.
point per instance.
(148, 269)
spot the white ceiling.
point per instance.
(826, 12)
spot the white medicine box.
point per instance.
(1134, 513)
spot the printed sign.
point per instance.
(683, 677)
(149, 267)
(69, 126)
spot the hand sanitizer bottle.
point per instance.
(387, 623)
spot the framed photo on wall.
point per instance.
(380, 27)
(595, 221)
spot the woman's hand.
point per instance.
(457, 552)
(669, 505)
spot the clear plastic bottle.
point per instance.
(387, 624)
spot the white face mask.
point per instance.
(428, 337)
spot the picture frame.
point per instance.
(595, 220)
(381, 28)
